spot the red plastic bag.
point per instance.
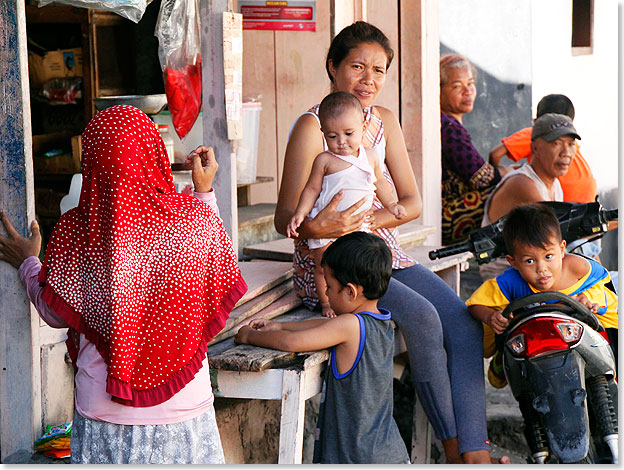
(183, 88)
(179, 51)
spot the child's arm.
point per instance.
(314, 334)
(383, 189)
(497, 153)
(309, 195)
(492, 317)
(266, 325)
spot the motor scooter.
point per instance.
(560, 367)
(561, 370)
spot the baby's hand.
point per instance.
(242, 337)
(397, 210)
(582, 298)
(498, 322)
(293, 225)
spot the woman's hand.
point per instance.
(204, 166)
(14, 249)
(331, 223)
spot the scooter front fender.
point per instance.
(558, 384)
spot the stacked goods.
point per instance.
(55, 441)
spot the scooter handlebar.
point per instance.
(450, 250)
(581, 311)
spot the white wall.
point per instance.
(486, 31)
(590, 81)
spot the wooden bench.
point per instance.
(244, 371)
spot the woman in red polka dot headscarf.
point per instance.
(144, 278)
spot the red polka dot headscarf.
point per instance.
(148, 275)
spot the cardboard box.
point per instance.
(68, 162)
(54, 64)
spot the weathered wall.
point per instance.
(496, 37)
(589, 80)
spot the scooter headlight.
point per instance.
(570, 331)
(517, 344)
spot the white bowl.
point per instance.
(149, 104)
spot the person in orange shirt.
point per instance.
(578, 183)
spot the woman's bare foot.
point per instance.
(327, 310)
(451, 451)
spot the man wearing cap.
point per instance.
(553, 145)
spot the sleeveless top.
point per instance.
(355, 423)
(357, 181)
(303, 261)
(494, 268)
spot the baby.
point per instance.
(345, 166)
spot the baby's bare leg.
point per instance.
(319, 281)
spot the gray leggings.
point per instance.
(445, 347)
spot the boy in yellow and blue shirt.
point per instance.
(539, 263)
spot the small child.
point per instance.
(539, 263)
(355, 422)
(346, 166)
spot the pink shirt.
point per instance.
(90, 395)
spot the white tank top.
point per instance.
(498, 266)
(357, 181)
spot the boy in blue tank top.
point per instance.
(355, 422)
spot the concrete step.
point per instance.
(255, 225)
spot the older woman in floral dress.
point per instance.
(467, 179)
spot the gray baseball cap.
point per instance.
(551, 126)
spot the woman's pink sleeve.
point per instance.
(28, 273)
(209, 198)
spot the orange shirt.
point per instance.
(578, 183)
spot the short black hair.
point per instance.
(557, 104)
(530, 224)
(363, 259)
(351, 37)
(334, 103)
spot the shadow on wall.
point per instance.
(500, 109)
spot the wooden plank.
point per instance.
(421, 436)
(242, 313)
(261, 276)
(264, 385)
(259, 83)
(410, 234)
(291, 423)
(279, 250)
(419, 53)
(214, 117)
(385, 15)
(20, 367)
(275, 309)
(301, 80)
(245, 357)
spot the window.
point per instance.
(582, 26)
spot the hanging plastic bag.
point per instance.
(130, 9)
(179, 52)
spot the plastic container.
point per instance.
(181, 148)
(183, 182)
(168, 140)
(247, 149)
